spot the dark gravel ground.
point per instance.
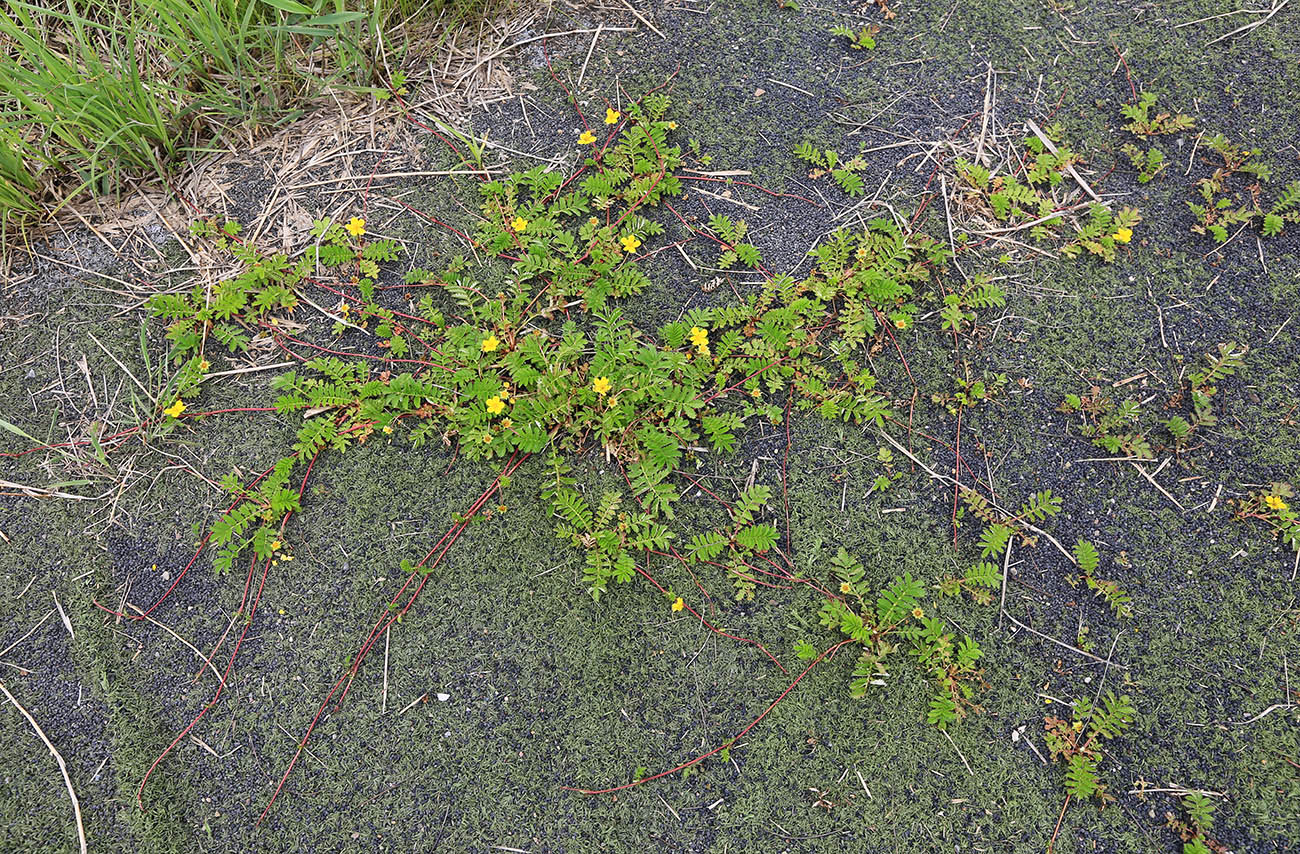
(544, 688)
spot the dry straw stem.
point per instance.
(58, 757)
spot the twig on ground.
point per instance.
(63, 766)
(1246, 28)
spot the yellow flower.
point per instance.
(672, 125)
(601, 386)
(679, 604)
(204, 365)
(611, 116)
(1124, 235)
(519, 224)
(699, 337)
(495, 405)
(845, 587)
(489, 344)
(587, 138)
(630, 243)
(1275, 502)
(487, 438)
(275, 545)
(356, 226)
(501, 508)
(917, 612)
(900, 323)
(507, 423)
(176, 408)
(388, 429)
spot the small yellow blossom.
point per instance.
(356, 227)
(388, 429)
(344, 308)
(601, 386)
(519, 224)
(700, 338)
(679, 604)
(487, 438)
(630, 243)
(501, 508)
(587, 138)
(495, 405)
(275, 545)
(204, 365)
(176, 408)
(1124, 235)
(611, 116)
(917, 612)
(507, 423)
(1275, 502)
(489, 344)
(900, 323)
(845, 587)
(672, 125)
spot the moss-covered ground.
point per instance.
(506, 682)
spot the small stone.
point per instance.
(442, 698)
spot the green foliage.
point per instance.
(979, 582)
(1222, 205)
(858, 39)
(731, 234)
(896, 615)
(1194, 830)
(1275, 507)
(1122, 427)
(1142, 123)
(1148, 164)
(846, 172)
(1102, 232)
(1035, 204)
(1077, 742)
(1089, 561)
(97, 91)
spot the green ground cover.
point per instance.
(545, 688)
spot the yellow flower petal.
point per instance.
(489, 344)
(587, 138)
(356, 226)
(601, 386)
(176, 408)
(495, 405)
(630, 243)
(611, 116)
(1123, 235)
(519, 224)
(679, 604)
